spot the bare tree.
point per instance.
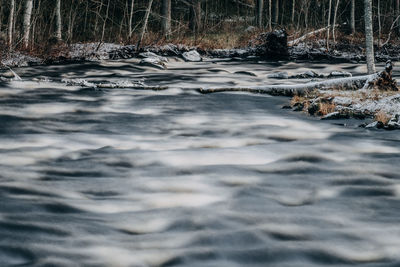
(196, 19)
(270, 15)
(369, 36)
(276, 19)
(259, 11)
(11, 23)
(105, 22)
(27, 22)
(334, 20)
(353, 16)
(398, 14)
(166, 17)
(329, 24)
(58, 21)
(146, 20)
(131, 19)
(293, 10)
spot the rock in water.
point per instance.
(394, 122)
(153, 62)
(11, 75)
(153, 55)
(336, 74)
(192, 56)
(273, 45)
(306, 75)
(279, 75)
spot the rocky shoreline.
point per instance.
(267, 46)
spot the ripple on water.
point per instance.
(124, 177)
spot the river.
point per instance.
(122, 177)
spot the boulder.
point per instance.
(273, 45)
(10, 75)
(153, 62)
(192, 56)
(153, 55)
(394, 122)
(279, 75)
(338, 74)
(307, 75)
(248, 73)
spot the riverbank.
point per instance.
(276, 45)
(378, 107)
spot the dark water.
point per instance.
(121, 177)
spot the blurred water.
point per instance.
(123, 177)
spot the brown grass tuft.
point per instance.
(382, 116)
(326, 108)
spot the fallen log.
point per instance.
(307, 35)
(350, 83)
(382, 80)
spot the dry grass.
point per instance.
(298, 99)
(326, 108)
(383, 117)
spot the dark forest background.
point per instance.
(209, 23)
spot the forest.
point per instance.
(32, 24)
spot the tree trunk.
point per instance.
(369, 36)
(11, 24)
(353, 16)
(260, 7)
(293, 9)
(379, 24)
(58, 20)
(276, 19)
(27, 22)
(146, 20)
(270, 15)
(105, 22)
(334, 20)
(195, 23)
(131, 19)
(397, 14)
(166, 17)
(329, 24)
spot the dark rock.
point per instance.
(313, 108)
(307, 75)
(380, 125)
(273, 45)
(394, 123)
(298, 106)
(246, 73)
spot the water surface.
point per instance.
(122, 177)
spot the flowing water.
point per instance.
(123, 177)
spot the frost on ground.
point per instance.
(377, 97)
(18, 59)
(133, 84)
(381, 106)
(92, 51)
